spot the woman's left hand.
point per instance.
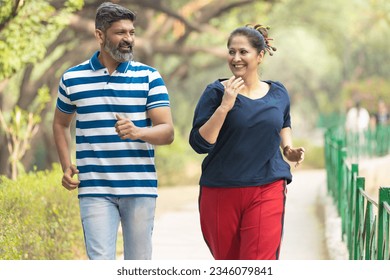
(294, 154)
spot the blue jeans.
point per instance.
(100, 217)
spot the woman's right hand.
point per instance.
(232, 88)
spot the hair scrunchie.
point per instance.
(263, 30)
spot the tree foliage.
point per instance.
(20, 127)
(325, 46)
(26, 30)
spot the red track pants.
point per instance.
(243, 223)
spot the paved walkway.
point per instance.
(177, 234)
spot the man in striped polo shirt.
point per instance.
(122, 110)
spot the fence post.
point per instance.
(341, 155)
(351, 205)
(360, 185)
(384, 196)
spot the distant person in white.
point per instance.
(357, 123)
(358, 119)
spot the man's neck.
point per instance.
(107, 61)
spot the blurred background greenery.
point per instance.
(329, 53)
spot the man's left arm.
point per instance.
(162, 130)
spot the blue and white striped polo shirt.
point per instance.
(108, 165)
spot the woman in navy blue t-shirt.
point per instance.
(241, 123)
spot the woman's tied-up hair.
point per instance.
(264, 31)
(257, 36)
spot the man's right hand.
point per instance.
(67, 179)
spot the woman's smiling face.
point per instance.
(243, 59)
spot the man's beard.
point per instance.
(115, 52)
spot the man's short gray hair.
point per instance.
(108, 13)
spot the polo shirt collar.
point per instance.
(96, 65)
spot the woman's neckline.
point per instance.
(221, 81)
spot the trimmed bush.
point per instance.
(39, 219)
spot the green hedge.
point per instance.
(39, 219)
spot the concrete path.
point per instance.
(177, 234)
(304, 236)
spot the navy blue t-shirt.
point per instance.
(247, 151)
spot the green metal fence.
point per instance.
(367, 144)
(365, 221)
